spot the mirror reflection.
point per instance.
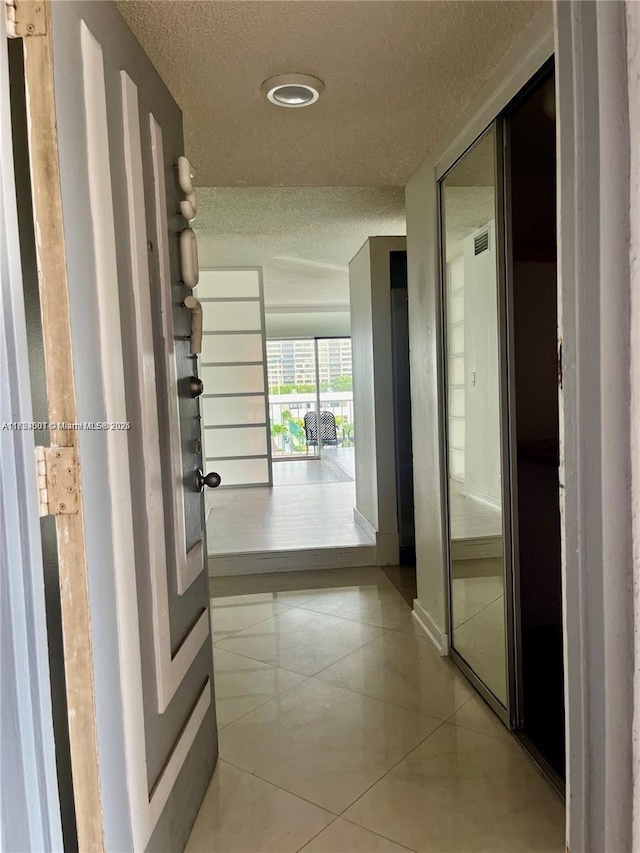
(473, 414)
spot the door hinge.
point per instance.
(25, 18)
(57, 472)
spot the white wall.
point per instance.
(424, 350)
(482, 395)
(363, 385)
(523, 60)
(370, 292)
(305, 323)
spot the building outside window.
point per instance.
(307, 376)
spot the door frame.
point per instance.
(596, 86)
(62, 408)
(28, 748)
(593, 68)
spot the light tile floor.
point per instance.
(479, 628)
(342, 731)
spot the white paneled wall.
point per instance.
(235, 409)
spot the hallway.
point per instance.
(342, 731)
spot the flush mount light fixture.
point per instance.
(293, 90)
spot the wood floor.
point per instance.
(471, 519)
(308, 508)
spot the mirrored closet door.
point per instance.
(501, 369)
(473, 428)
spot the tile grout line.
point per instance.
(266, 702)
(386, 773)
(411, 751)
(482, 609)
(339, 817)
(303, 679)
(255, 660)
(306, 677)
(386, 701)
(246, 627)
(280, 788)
(295, 607)
(340, 814)
(374, 832)
(346, 618)
(373, 784)
(475, 731)
(329, 813)
(309, 840)
(368, 643)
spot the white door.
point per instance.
(105, 138)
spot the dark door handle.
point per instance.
(212, 480)
(195, 386)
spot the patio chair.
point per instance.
(328, 432)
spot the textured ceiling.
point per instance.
(470, 194)
(304, 237)
(467, 209)
(397, 74)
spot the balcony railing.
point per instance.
(286, 415)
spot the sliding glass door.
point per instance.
(293, 397)
(310, 398)
(336, 401)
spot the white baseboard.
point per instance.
(262, 562)
(477, 548)
(336, 468)
(387, 544)
(481, 497)
(364, 524)
(433, 633)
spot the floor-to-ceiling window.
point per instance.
(311, 398)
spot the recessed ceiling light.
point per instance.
(293, 90)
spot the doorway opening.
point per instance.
(310, 501)
(305, 426)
